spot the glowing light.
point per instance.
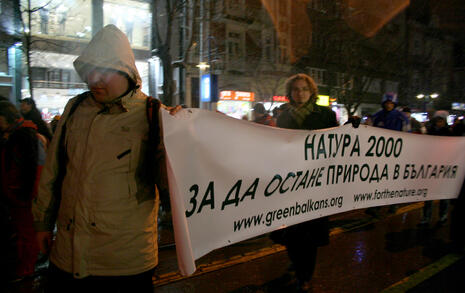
(203, 65)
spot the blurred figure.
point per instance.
(368, 120)
(22, 156)
(389, 118)
(458, 222)
(261, 116)
(29, 111)
(276, 112)
(302, 240)
(354, 120)
(438, 126)
(54, 123)
(414, 125)
(458, 128)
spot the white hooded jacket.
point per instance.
(107, 215)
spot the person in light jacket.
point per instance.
(98, 182)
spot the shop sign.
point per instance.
(282, 99)
(209, 88)
(322, 100)
(237, 96)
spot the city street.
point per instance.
(365, 254)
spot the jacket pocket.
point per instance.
(123, 154)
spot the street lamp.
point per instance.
(203, 66)
(427, 99)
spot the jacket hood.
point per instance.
(109, 48)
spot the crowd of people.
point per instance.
(302, 112)
(84, 190)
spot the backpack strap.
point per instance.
(62, 158)
(156, 154)
(152, 107)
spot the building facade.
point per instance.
(252, 46)
(10, 50)
(59, 32)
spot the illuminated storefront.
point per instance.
(236, 104)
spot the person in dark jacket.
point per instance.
(389, 118)
(261, 116)
(438, 126)
(21, 158)
(458, 128)
(302, 240)
(414, 125)
(30, 112)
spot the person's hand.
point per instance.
(355, 120)
(44, 239)
(172, 110)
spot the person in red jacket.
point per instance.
(21, 156)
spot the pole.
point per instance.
(201, 104)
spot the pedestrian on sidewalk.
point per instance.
(101, 179)
(21, 158)
(302, 240)
(438, 126)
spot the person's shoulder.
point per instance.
(378, 113)
(400, 114)
(78, 98)
(24, 134)
(321, 108)
(285, 107)
(138, 99)
(325, 109)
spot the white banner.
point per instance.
(231, 180)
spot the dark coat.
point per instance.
(42, 128)
(443, 131)
(314, 232)
(19, 177)
(393, 120)
(321, 117)
(19, 157)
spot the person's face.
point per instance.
(106, 84)
(3, 124)
(300, 92)
(389, 106)
(440, 123)
(25, 107)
